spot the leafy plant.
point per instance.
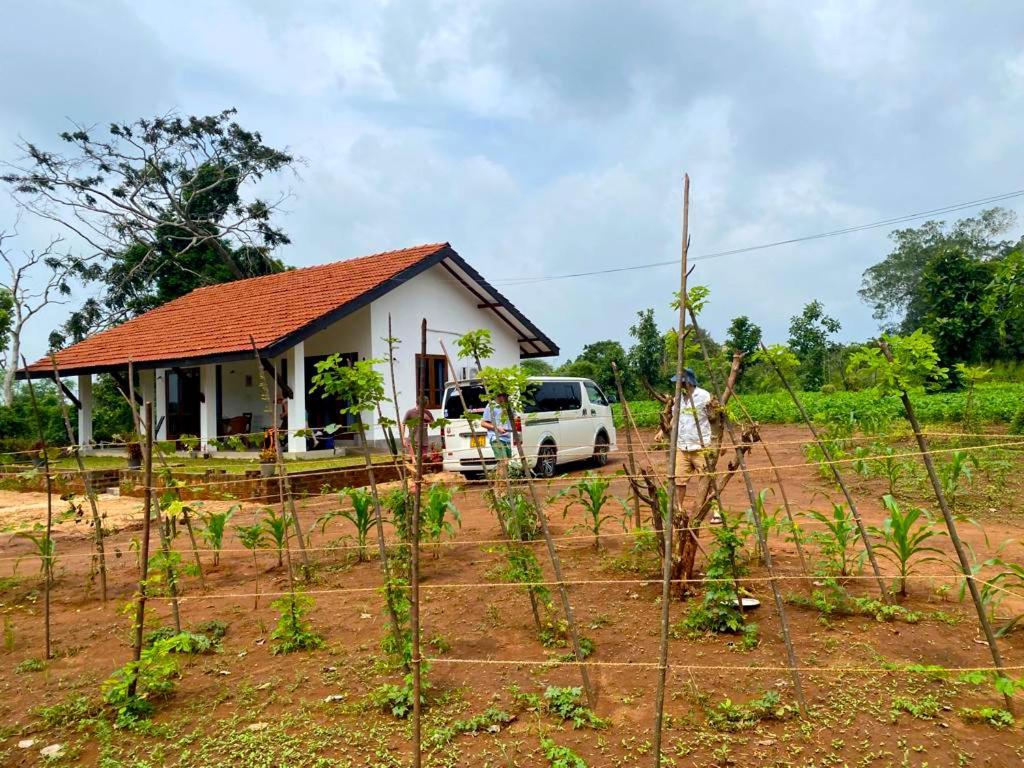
(398, 700)
(719, 611)
(361, 517)
(922, 707)
(44, 548)
(956, 473)
(994, 716)
(216, 525)
(837, 541)
(559, 756)
(727, 716)
(904, 534)
(276, 527)
(1010, 576)
(590, 493)
(436, 506)
(293, 632)
(252, 538)
(154, 675)
(29, 665)
(565, 703)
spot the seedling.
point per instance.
(44, 549)
(276, 526)
(361, 517)
(904, 534)
(436, 506)
(252, 538)
(590, 493)
(293, 632)
(154, 675)
(213, 533)
(836, 541)
(559, 756)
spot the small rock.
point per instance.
(26, 743)
(334, 697)
(329, 669)
(223, 672)
(365, 615)
(766, 742)
(52, 751)
(257, 726)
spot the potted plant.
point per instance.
(191, 443)
(268, 462)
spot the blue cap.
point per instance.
(688, 376)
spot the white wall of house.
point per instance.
(449, 308)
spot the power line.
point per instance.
(762, 246)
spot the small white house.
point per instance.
(195, 357)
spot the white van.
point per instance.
(564, 420)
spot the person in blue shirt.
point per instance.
(499, 430)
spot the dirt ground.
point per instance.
(244, 706)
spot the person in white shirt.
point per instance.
(694, 433)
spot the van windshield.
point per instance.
(473, 395)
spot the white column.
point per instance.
(85, 412)
(207, 405)
(145, 389)
(297, 402)
(160, 404)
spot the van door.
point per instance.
(573, 423)
(599, 412)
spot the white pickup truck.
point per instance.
(564, 420)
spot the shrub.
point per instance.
(292, 632)
(154, 674)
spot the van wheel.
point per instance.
(601, 450)
(547, 459)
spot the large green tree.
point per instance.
(166, 204)
(595, 362)
(810, 335)
(647, 355)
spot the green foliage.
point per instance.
(743, 336)
(566, 704)
(1008, 576)
(836, 542)
(595, 362)
(915, 363)
(780, 357)
(904, 533)
(809, 340)
(1017, 422)
(559, 756)
(252, 537)
(72, 712)
(647, 355)
(276, 527)
(293, 632)
(44, 547)
(436, 506)
(361, 516)
(29, 665)
(490, 720)
(883, 460)
(719, 611)
(922, 707)
(994, 716)
(476, 345)
(398, 700)
(216, 524)
(359, 385)
(155, 674)
(510, 382)
(956, 473)
(727, 716)
(591, 494)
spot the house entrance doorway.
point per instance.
(182, 402)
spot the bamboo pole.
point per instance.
(838, 478)
(87, 484)
(147, 508)
(49, 549)
(414, 612)
(666, 569)
(556, 563)
(629, 442)
(954, 535)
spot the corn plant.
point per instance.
(1010, 576)
(252, 538)
(361, 516)
(44, 549)
(276, 527)
(957, 473)
(213, 533)
(881, 460)
(435, 509)
(904, 534)
(590, 493)
(837, 541)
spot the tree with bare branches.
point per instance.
(31, 281)
(167, 203)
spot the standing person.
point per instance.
(499, 431)
(694, 435)
(412, 421)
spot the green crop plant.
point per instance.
(276, 527)
(727, 716)
(44, 548)
(922, 707)
(216, 524)
(436, 508)
(252, 537)
(591, 494)
(957, 473)
(994, 716)
(882, 460)
(904, 534)
(1009, 576)
(565, 703)
(361, 517)
(398, 700)
(154, 676)
(837, 541)
(293, 632)
(559, 756)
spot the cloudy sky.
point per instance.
(544, 138)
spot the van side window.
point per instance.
(553, 396)
(595, 394)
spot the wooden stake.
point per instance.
(886, 598)
(86, 482)
(147, 509)
(49, 550)
(666, 569)
(954, 535)
(398, 411)
(629, 442)
(414, 612)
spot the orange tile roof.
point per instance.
(218, 320)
